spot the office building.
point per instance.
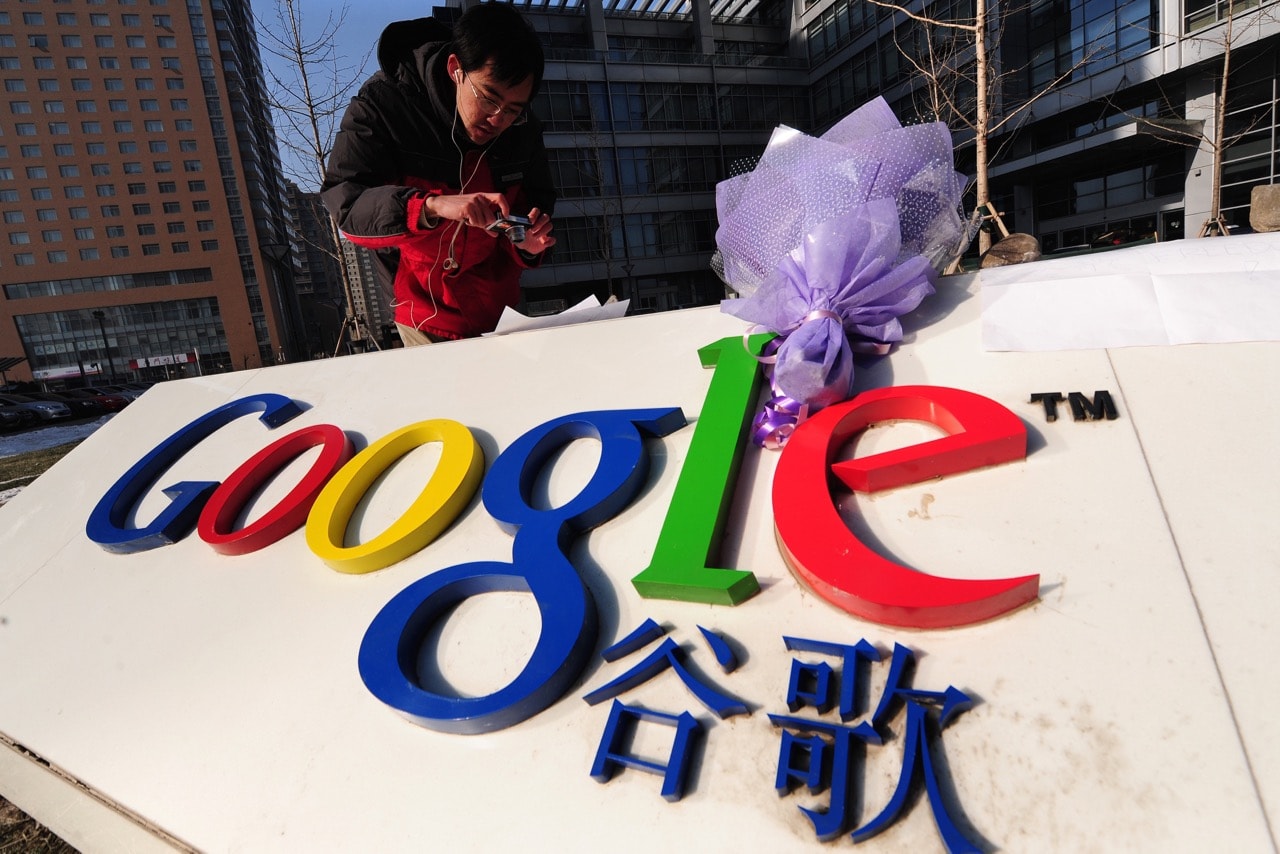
(146, 228)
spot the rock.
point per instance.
(1264, 207)
(1014, 249)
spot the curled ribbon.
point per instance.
(782, 414)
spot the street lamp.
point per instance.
(99, 315)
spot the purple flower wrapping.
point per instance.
(837, 237)
(846, 267)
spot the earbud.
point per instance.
(450, 264)
(457, 75)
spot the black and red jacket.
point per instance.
(399, 143)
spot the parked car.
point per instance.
(123, 390)
(13, 418)
(109, 401)
(81, 407)
(45, 410)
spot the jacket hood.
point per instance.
(401, 39)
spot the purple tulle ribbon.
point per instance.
(828, 241)
(844, 284)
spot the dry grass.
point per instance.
(21, 469)
(21, 834)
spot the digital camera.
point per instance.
(512, 226)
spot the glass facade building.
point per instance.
(144, 213)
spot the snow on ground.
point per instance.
(41, 438)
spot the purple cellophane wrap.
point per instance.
(852, 224)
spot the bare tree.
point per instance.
(308, 90)
(1223, 38)
(947, 55)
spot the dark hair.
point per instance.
(496, 33)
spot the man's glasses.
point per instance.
(492, 108)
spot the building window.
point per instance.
(196, 187)
(142, 209)
(77, 63)
(104, 41)
(110, 210)
(209, 245)
(181, 246)
(47, 215)
(177, 227)
(89, 127)
(119, 251)
(105, 190)
(145, 229)
(79, 213)
(132, 168)
(41, 194)
(57, 256)
(19, 238)
(151, 249)
(172, 207)
(168, 187)
(51, 235)
(153, 126)
(108, 63)
(137, 189)
(113, 84)
(115, 231)
(84, 234)
(12, 217)
(157, 146)
(89, 253)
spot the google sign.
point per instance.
(814, 541)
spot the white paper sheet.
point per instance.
(587, 310)
(1182, 292)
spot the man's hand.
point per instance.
(474, 209)
(537, 237)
